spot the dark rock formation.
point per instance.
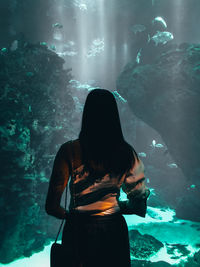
(193, 261)
(197, 257)
(36, 111)
(165, 95)
(180, 248)
(143, 246)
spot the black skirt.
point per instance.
(96, 241)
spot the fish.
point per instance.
(172, 165)
(159, 145)
(153, 143)
(142, 154)
(57, 25)
(160, 20)
(138, 56)
(162, 37)
(43, 43)
(4, 49)
(138, 28)
(193, 186)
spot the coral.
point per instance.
(143, 246)
(36, 111)
(165, 94)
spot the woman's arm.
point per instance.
(135, 205)
(136, 190)
(58, 181)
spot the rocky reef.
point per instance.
(36, 114)
(143, 246)
(163, 91)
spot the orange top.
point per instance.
(92, 196)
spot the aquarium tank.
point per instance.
(147, 53)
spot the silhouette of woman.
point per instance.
(95, 232)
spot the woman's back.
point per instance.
(96, 193)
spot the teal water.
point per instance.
(160, 223)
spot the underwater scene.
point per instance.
(147, 53)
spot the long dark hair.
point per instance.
(101, 138)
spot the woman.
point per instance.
(99, 162)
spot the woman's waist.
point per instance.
(104, 206)
(90, 217)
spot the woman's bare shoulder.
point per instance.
(71, 149)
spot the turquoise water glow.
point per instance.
(161, 224)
